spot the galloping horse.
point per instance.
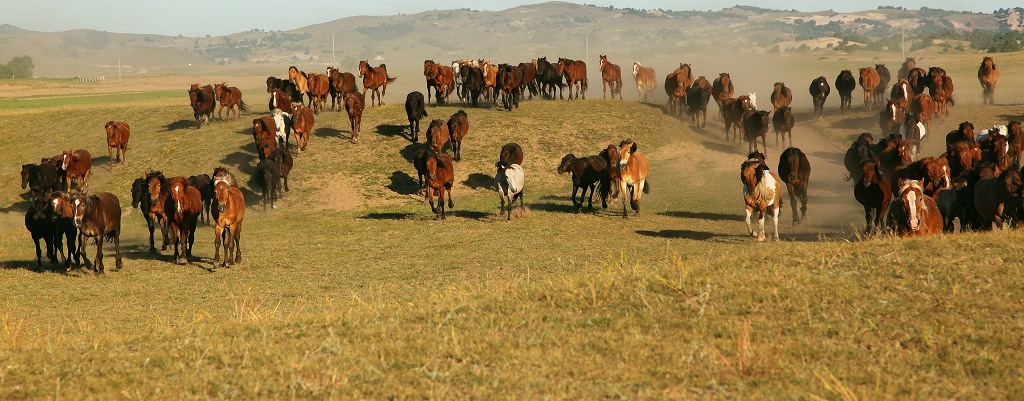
(940, 87)
(575, 73)
(628, 168)
(781, 96)
(645, 80)
(611, 76)
(319, 88)
(341, 84)
(721, 90)
(229, 96)
(874, 194)
(441, 78)
(299, 79)
(231, 211)
(375, 78)
(912, 213)
(762, 195)
(869, 81)
(988, 75)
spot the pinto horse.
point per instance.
(628, 168)
(762, 195)
(611, 76)
(912, 213)
(914, 131)
(575, 73)
(869, 80)
(645, 80)
(988, 75)
(230, 97)
(376, 79)
(231, 211)
(873, 192)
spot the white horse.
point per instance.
(510, 182)
(284, 126)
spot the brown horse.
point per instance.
(441, 78)
(575, 74)
(645, 80)
(117, 140)
(302, 125)
(912, 213)
(940, 87)
(873, 192)
(901, 93)
(264, 135)
(458, 128)
(300, 80)
(962, 157)
(781, 96)
(918, 79)
(991, 195)
(231, 211)
(733, 114)
(722, 89)
(185, 204)
(376, 79)
(77, 166)
(319, 88)
(869, 81)
(904, 71)
(891, 117)
(438, 135)
(893, 153)
(230, 97)
(354, 108)
(98, 217)
(281, 101)
(922, 107)
(931, 172)
(203, 100)
(762, 194)
(1016, 140)
(988, 75)
(341, 84)
(795, 171)
(440, 178)
(611, 77)
(628, 168)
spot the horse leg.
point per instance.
(803, 202)
(750, 229)
(604, 90)
(624, 194)
(237, 242)
(760, 226)
(440, 202)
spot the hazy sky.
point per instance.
(220, 17)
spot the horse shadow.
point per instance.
(325, 132)
(409, 151)
(403, 184)
(240, 161)
(30, 265)
(18, 207)
(386, 216)
(180, 124)
(857, 123)
(141, 252)
(688, 234)
(702, 215)
(719, 147)
(396, 130)
(834, 156)
(557, 207)
(479, 181)
(102, 161)
(469, 214)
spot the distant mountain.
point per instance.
(553, 29)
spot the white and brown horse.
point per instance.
(645, 80)
(912, 213)
(762, 194)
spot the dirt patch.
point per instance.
(339, 193)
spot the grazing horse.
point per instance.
(819, 91)
(762, 194)
(988, 75)
(912, 213)
(575, 73)
(300, 80)
(39, 222)
(438, 135)
(645, 81)
(734, 109)
(458, 128)
(722, 89)
(893, 153)
(904, 72)
(440, 178)
(891, 117)
(884, 76)
(940, 87)
(795, 171)
(376, 79)
(781, 96)
(117, 140)
(697, 103)
(319, 88)
(874, 193)
(341, 84)
(98, 217)
(231, 211)
(203, 100)
(186, 204)
(845, 84)
(611, 76)
(589, 172)
(914, 131)
(302, 125)
(782, 122)
(511, 181)
(628, 168)
(354, 102)
(77, 166)
(230, 97)
(415, 109)
(991, 195)
(755, 125)
(869, 81)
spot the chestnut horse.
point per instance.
(98, 217)
(781, 96)
(117, 140)
(319, 88)
(440, 178)
(611, 76)
(628, 168)
(302, 125)
(230, 97)
(438, 135)
(185, 204)
(645, 80)
(891, 117)
(722, 89)
(300, 80)
(458, 128)
(77, 166)
(869, 80)
(575, 73)
(376, 79)
(441, 78)
(940, 87)
(341, 84)
(231, 211)
(795, 171)
(893, 153)
(912, 213)
(873, 192)
(988, 75)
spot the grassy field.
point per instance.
(351, 290)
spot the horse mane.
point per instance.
(910, 184)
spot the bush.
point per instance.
(18, 67)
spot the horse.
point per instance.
(951, 207)
(354, 103)
(874, 193)
(438, 135)
(282, 126)
(440, 178)
(819, 91)
(550, 79)
(859, 151)
(117, 140)
(440, 77)
(376, 79)
(230, 213)
(991, 195)
(628, 168)
(922, 107)
(341, 84)
(302, 125)
(697, 104)
(893, 153)
(575, 73)
(264, 134)
(415, 109)
(611, 76)
(64, 225)
(988, 76)
(203, 100)
(204, 184)
(279, 100)
(589, 172)
(472, 83)
(781, 96)
(490, 80)
(963, 133)
(845, 84)
(187, 204)
(914, 131)
(268, 177)
(98, 217)
(40, 179)
(511, 181)
(300, 80)
(229, 96)
(994, 148)
(509, 80)
(762, 194)
(912, 213)
(722, 89)
(675, 93)
(39, 222)
(645, 80)
(908, 64)
(458, 128)
(755, 125)
(931, 172)
(883, 82)
(151, 210)
(795, 171)
(319, 88)
(918, 79)
(869, 81)
(1016, 140)
(940, 87)
(902, 93)
(891, 117)
(782, 122)
(284, 161)
(734, 109)
(77, 166)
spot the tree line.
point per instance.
(18, 68)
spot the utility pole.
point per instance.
(119, 66)
(903, 40)
(334, 56)
(588, 48)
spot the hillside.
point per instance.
(554, 28)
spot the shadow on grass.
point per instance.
(702, 215)
(554, 207)
(395, 130)
(409, 151)
(403, 184)
(688, 234)
(468, 214)
(720, 147)
(325, 132)
(479, 181)
(17, 207)
(180, 124)
(239, 161)
(30, 265)
(387, 216)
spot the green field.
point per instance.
(351, 289)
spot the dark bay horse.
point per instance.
(375, 79)
(575, 73)
(988, 75)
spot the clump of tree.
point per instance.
(990, 41)
(18, 68)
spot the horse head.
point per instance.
(566, 161)
(626, 149)
(911, 203)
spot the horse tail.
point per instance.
(391, 79)
(950, 101)
(242, 106)
(647, 186)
